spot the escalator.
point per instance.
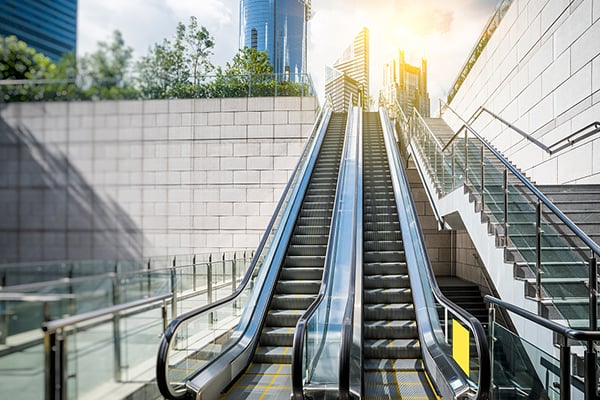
(240, 347)
(393, 367)
(300, 276)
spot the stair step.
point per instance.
(386, 364)
(301, 273)
(387, 295)
(283, 318)
(298, 286)
(386, 281)
(292, 301)
(277, 336)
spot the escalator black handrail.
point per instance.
(566, 331)
(169, 334)
(484, 381)
(530, 186)
(329, 266)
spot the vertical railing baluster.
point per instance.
(538, 250)
(482, 165)
(505, 189)
(565, 369)
(452, 157)
(194, 273)
(590, 356)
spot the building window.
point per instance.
(254, 39)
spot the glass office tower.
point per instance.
(49, 26)
(276, 26)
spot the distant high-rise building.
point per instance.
(278, 27)
(407, 84)
(348, 80)
(49, 26)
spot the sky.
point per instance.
(441, 31)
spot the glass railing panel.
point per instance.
(522, 370)
(139, 336)
(22, 373)
(90, 358)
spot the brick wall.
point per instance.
(124, 179)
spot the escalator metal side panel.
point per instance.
(209, 383)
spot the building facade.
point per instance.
(348, 79)
(50, 27)
(276, 26)
(406, 84)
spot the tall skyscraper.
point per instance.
(347, 81)
(278, 27)
(49, 26)
(407, 84)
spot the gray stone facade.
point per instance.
(124, 179)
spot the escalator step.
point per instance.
(400, 329)
(387, 295)
(301, 273)
(393, 311)
(292, 301)
(396, 348)
(380, 268)
(298, 286)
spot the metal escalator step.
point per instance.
(304, 261)
(380, 226)
(298, 286)
(395, 348)
(387, 295)
(301, 273)
(306, 250)
(386, 281)
(397, 329)
(273, 355)
(292, 301)
(381, 268)
(382, 245)
(283, 318)
(311, 230)
(277, 336)
(388, 235)
(394, 311)
(386, 364)
(309, 239)
(384, 256)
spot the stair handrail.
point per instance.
(405, 202)
(303, 164)
(595, 125)
(564, 333)
(440, 220)
(552, 149)
(330, 266)
(532, 188)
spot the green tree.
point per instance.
(177, 68)
(248, 74)
(106, 72)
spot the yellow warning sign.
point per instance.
(460, 345)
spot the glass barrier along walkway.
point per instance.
(553, 255)
(122, 311)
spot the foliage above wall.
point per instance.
(179, 67)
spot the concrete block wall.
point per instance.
(540, 71)
(88, 180)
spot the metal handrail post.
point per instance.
(194, 274)
(565, 369)
(505, 189)
(538, 250)
(482, 166)
(453, 157)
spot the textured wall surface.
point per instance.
(124, 179)
(540, 71)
